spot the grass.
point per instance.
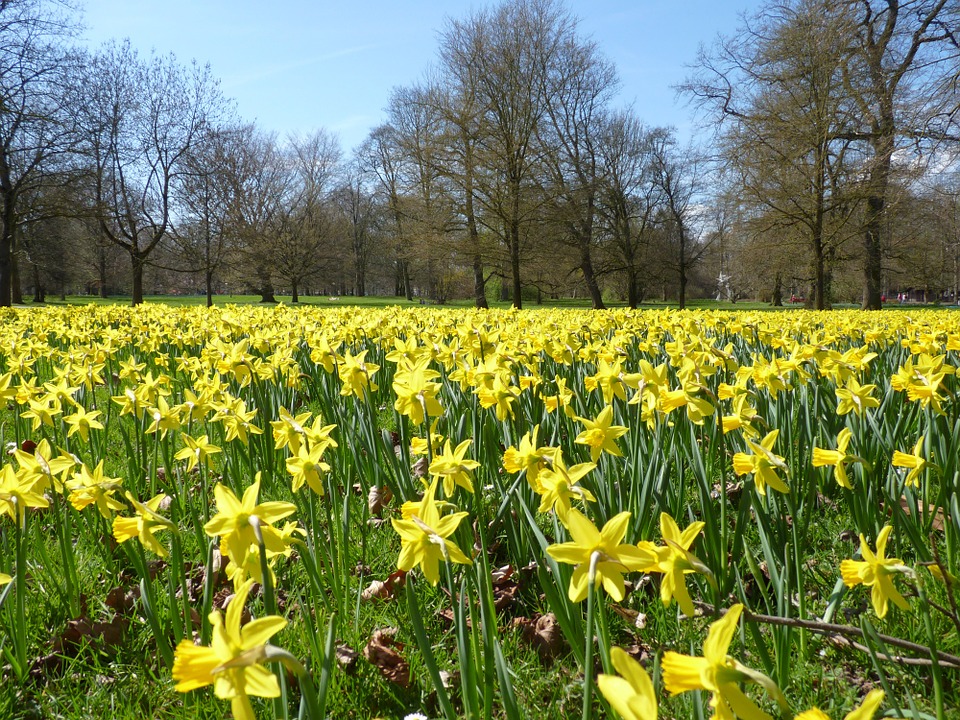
(779, 554)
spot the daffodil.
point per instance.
(93, 487)
(528, 457)
(196, 450)
(762, 463)
(424, 537)
(16, 496)
(865, 711)
(631, 693)
(235, 519)
(232, 662)
(416, 391)
(356, 374)
(876, 571)
(307, 466)
(147, 522)
(718, 673)
(915, 461)
(613, 558)
(558, 484)
(5, 579)
(600, 434)
(837, 459)
(453, 466)
(41, 470)
(855, 397)
(674, 560)
(82, 422)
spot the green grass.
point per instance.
(678, 461)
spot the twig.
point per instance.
(833, 630)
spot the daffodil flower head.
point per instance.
(602, 550)
(876, 571)
(144, 525)
(865, 711)
(763, 463)
(600, 434)
(915, 461)
(631, 692)
(719, 673)
(424, 537)
(232, 662)
(674, 560)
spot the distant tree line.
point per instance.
(507, 171)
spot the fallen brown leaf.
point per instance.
(347, 658)
(378, 498)
(384, 589)
(384, 653)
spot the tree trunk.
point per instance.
(102, 271)
(137, 267)
(632, 293)
(515, 264)
(16, 290)
(479, 283)
(586, 267)
(208, 281)
(38, 294)
(295, 294)
(266, 286)
(777, 300)
(405, 271)
(876, 201)
(873, 253)
(7, 223)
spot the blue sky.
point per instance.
(303, 65)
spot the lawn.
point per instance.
(326, 510)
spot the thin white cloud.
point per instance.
(280, 69)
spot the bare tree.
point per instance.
(140, 120)
(899, 55)
(629, 198)
(678, 173)
(579, 86)
(207, 196)
(33, 130)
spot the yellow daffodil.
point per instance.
(16, 496)
(718, 673)
(453, 466)
(762, 463)
(307, 466)
(196, 450)
(674, 560)
(40, 470)
(855, 397)
(877, 572)
(600, 434)
(865, 711)
(528, 457)
(232, 662)
(82, 422)
(356, 374)
(147, 522)
(558, 484)
(424, 537)
(235, 518)
(631, 693)
(916, 462)
(602, 549)
(416, 391)
(94, 487)
(837, 459)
